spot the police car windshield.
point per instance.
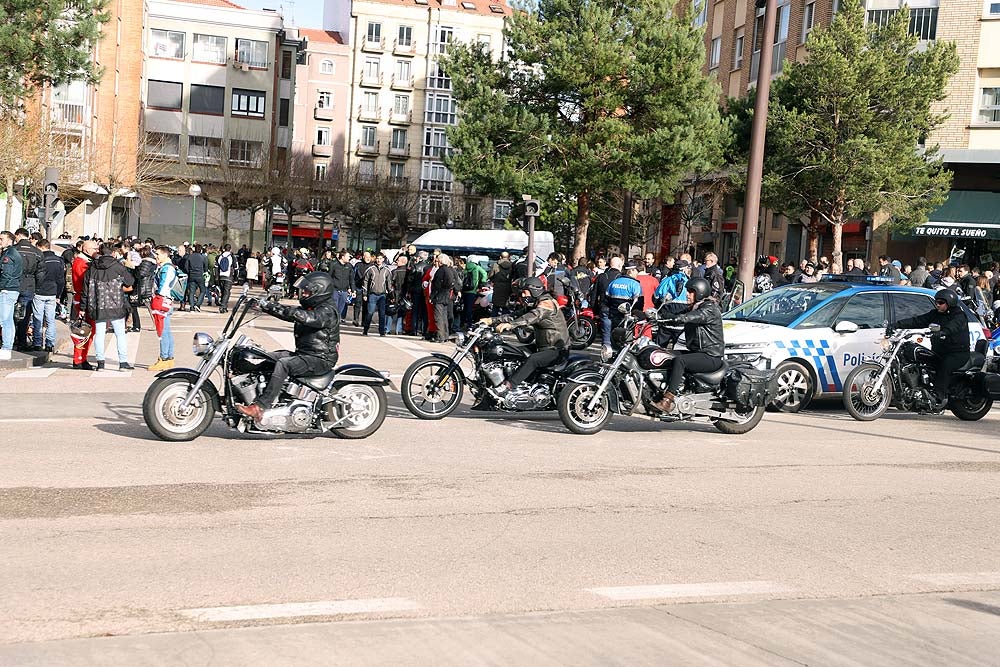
(784, 305)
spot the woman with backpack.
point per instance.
(104, 301)
(143, 291)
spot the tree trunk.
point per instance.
(812, 229)
(107, 221)
(9, 209)
(582, 223)
(288, 229)
(838, 235)
(253, 214)
(225, 224)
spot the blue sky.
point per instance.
(300, 13)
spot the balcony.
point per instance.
(398, 182)
(399, 151)
(404, 49)
(401, 83)
(367, 149)
(369, 114)
(324, 113)
(370, 80)
(400, 117)
(322, 150)
(373, 46)
(67, 115)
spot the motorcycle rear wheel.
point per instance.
(863, 400)
(368, 410)
(419, 389)
(162, 412)
(749, 422)
(970, 408)
(573, 409)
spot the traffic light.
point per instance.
(526, 211)
(532, 208)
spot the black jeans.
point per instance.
(442, 321)
(692, 362)
(948, 365)
(21, 328)
(225, 287)
(541, 359)
(195, 293)
(291, 365)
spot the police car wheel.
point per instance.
(792, 388)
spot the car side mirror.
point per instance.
(846, 327)
(934, 328)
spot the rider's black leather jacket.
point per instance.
(702, 328)
(317, 329)
(549, 324)
(954, 335)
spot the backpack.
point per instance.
(219, 268)
(467, 282)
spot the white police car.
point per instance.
(814, 334)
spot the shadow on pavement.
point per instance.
(972, 605)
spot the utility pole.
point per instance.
(755, 168)
(532, 208)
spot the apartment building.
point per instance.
(401, 103)
(217, 110)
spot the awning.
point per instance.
(303, 232)
(966, 214)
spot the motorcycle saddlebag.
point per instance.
(747, 387)
(989, 383)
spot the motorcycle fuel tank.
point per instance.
(652, 357)
(251, 360)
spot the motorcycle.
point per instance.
(433, 386)
(579, 320)
(733, 397)
(180, 404)
(902, 376)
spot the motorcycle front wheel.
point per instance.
(161, 408)
(428, 392)
(582, 333)
(367, 411)
(864, 399)
(574, 410)
(748, 421)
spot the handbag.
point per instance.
(20, 310)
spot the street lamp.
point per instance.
(195, 192)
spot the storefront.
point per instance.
(966, 225)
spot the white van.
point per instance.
(488, 242)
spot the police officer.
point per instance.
(702, 334)
(950, 344)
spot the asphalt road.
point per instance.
(483, 539)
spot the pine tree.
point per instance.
(593, 96)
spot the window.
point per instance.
(167, 44)
(822, 317)
(319, 171)
(923, 22)
(484, 40)
(208, 99)
(286, 64)
(209, 49)
(248, 103)
(397, 174)
(435, 177)
(993, 8)
(776, 221)
(909, 305)
(989, 107)
(808, 20)
(204, 150)
(440, 109)
(434, 210)
(163, 95)
(730, 207)
(374, 33)
(738, 43)
(501, 212)
(245, 153)
(713, 60)
(405, 36)
(324, 99)
(370, 102)
(443, 36)
(368, 136)
(371, 69)
(366, 171)
(163, 144)
(865, 310)
(403, 70)
(699, 12)
(401, 105)
(322, 136)
(436, 78)
(399, 139)
(435, 142)
(251, 52)
(283, 112)
(326, 67)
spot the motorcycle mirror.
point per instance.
(651, 313)
(934, 328)
(623, 309)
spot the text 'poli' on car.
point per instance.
(814, 334)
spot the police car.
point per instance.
(814, 334)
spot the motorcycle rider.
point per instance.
(317, 338)
(951, 344)
(551, 332)
(702, 334)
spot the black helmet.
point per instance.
(535, 287)
(948, 296)
(700, 288)
(314, 288)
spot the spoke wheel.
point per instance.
(427, 392)
(864, 398)
(167, 419)
(792, 387)
(575, 413)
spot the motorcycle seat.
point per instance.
(561, 363)
(318, 382)
(976, 360)
(715, 377)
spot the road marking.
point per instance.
(33, 373)
(297, 609)
(959, 578)
(413, 349)
(711, 589)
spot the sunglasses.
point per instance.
(941, 302)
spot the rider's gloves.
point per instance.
(504, 326)
(889, 330)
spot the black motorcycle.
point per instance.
(433, 386)
(179, 405)
(733, 397)
(579, 320)
(902, 377)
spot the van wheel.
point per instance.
(792, 387)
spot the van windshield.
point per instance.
(784, 305)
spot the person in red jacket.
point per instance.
(80, 265)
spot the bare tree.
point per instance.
(395, 208)
(24, 148)
(292, 189)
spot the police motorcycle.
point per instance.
(432, 387)
(733, 397)
(179, 405)
(902, 377)
(579, 319)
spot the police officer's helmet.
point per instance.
(314, 288)
(700, 288)
(948, 296)
(534, 287)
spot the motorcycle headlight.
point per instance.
(885, 343)
(202, 345)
